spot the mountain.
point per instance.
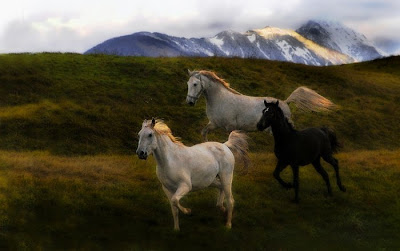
(340, 38)
(153, 45)
(268, 43)
(314, 43)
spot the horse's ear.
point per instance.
(265, 103)
(153, 122)
(277, 102)
(190, 72)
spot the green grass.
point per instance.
(72, 104)
(116, 202)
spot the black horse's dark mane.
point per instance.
(283, 119)
(290, 125)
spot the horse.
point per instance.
(182, 169)
(230, 110)
(299, 148)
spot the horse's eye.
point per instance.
(194, 84)
(150, 135)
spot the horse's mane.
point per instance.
(163, 129)
(214, 77)
(290, 125)
(284, 120)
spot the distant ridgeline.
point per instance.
(314, 43)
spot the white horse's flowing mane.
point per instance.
(161, 128)
(217, 79)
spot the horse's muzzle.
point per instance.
(141, 155)
(191, 100)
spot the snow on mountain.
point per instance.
(314, 44)
(340, 38)
(305, 48)
(274, 44)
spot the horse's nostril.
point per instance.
(191, 103)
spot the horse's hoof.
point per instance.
(229, 226)
(342, 188)
(187, 211)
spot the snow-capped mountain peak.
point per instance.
(315, 43)
(339, 37)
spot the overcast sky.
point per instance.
(78, 25)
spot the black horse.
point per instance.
(299, 148)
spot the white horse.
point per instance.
(229, 109)
(182, 169)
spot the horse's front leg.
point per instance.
(278, 169)
(169, 195)
(182, 190)
(209, 127)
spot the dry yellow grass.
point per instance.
(115, 201)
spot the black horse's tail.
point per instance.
(335, 144)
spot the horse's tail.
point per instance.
(309, 100)
(335, 144)
(237, 143)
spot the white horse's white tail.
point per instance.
(308, 100)
(237, 143)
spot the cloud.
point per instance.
(390, 46)
(52, 34)
(48, 27)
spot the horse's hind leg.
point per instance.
(335, 163)
(221, 196)
(210, 126)
(278, 169)
(318, 167)
(220, 201)
(226, 182)
(296, 183)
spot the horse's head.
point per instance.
(270, 113)
(147, 140)
(195, 87)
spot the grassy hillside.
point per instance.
(74, 104)
(57, 110)
(52, 202)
